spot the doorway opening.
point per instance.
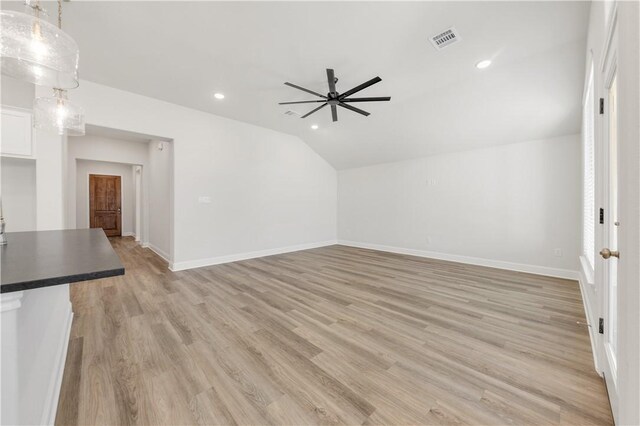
(122, 182)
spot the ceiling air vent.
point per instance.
(291, 112)
(445, 38)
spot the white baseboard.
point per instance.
(510, 266)
(128, 234)
(190, 264)
(157, 251)
(53, 393)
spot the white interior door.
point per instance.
(609, 252)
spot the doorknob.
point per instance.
(606, 253)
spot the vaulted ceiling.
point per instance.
(183, 52)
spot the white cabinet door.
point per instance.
(17, 140)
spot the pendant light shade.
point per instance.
(58, 114)
(36, 51)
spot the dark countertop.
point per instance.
(46, 258)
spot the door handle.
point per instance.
(118, 210)
(606, 253)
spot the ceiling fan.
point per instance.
(335, 99)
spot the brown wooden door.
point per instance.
(104, 204)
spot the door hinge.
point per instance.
(601, 325)
(601, 216)
(601, 105)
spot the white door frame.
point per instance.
(137, 172)
(608, 69)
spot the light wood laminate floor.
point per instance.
(331, 335)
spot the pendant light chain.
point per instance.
(36, 9)
(58, 92)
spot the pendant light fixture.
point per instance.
(34, 50)
(59, 114)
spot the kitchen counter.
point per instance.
(36, 314)
(46, 258)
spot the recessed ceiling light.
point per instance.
(483, 64)
(218, 96)
(314, 126)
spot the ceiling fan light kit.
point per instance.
(335, 99)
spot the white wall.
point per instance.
(16, 93)
(629, 266)
(269, 191)
(18, 194)
(128, 207)
(106, 150)
(160, 174)
(18, 177)
(510, 205)
(49, 161)
(51, 176)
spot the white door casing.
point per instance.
(608, 261)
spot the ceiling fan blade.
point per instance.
(305, 90)
(374, 99)
(314, 110)
(354, 109)
(360, 87)
(334, 113)
(331, 78)
(300, 102)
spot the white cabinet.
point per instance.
(17, 137)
